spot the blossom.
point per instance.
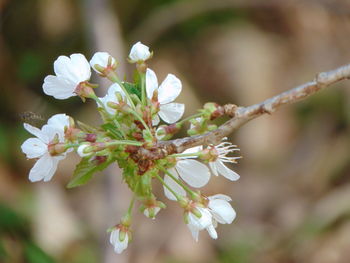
(218, 167)
(193, 172)
(102, 60)
(70, 72)
(196, 224)
(168, 91)
(221, 211)
(111, 97)
(139, 52)
(119, 239)
(49, 135)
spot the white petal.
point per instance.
(75, 69)
(222, 211)
(200, 223)
(120, 246)
(220, 196)
(213, 168)
(194, 232)
(51, 131)
(169, 90)
(193, 172)
(139, 52)
(59, 88)
(34, 148)
(226, 172)
(101, 58)
(173, 185)
(59, 120)
(212, 232)
(41, 168)
(171, 112)
(36, 132)
(51, 172)
(151, 82)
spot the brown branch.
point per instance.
(245, 114)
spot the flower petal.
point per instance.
(220, 196)
(193, 172)
(51, 172)
(101, 59)
(59, 88)
(34, 148)
(75, 69)
(41, 168)
(194, 232)
(139, 52)
(212, 232)
(151, 82)
(171, 112)
(213, 168)
(169, 90)
(173, 185)
(222, 211)
(226, 172)
(36, 132)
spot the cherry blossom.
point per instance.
(139, 53)
(50, 134)
(70, 72)
(168, 91)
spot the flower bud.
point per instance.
(139, 53)
(84, 150)
(102, 63)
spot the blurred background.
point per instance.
(293, 198)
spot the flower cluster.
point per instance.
(130, 135)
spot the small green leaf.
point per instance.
(133, 88)
(85, 170)
(111, 129)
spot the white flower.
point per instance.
(102, 59)
(218, 166)
(151, 212)
(221, 211)
(119, 246)
(168, 91)
(193, 172)
(139, 52)
(38, 147)
(111, 97)
(196, 224)
(70, 72)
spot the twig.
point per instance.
(245, 114)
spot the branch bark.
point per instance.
(244, 114)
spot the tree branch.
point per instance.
(244, 114)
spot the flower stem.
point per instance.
(167, 186)
(143, 89)
(185, 154)
(187, 189)
(190, 117)
(125, 142)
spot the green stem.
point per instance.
(167, 186)
(189, 118)
(187, 189)
(132, 202)
(141, 120)
(125, 142)
(185, 154)
(143, 89)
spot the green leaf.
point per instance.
(111, 129)
(85, 170)
(133, 88)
